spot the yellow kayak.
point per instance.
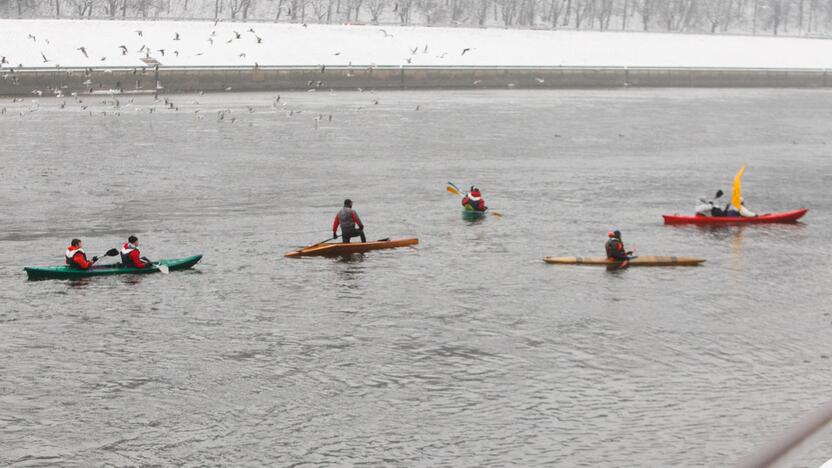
(339, 248)
(637, 261)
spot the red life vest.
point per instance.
(70, 254)
(474, 199)
(130, 256)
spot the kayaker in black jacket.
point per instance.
(350, 223)
(615, 248)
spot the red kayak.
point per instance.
(785, 217)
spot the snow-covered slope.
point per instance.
(234, 44)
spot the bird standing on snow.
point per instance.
(176, 36)
(139, 32)
(123, 49)
(45, 60)
(386, 34)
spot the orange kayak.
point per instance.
(340, 248)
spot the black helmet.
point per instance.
(617, 234)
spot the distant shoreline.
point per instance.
(176, 80)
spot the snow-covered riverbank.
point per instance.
(79, 43)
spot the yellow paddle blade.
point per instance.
(736, 194)
(454, 191)
(496, 213)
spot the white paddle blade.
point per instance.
(163, 268)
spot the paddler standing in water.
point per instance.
(350, 223)
(615, 248)
(473, 201)
(76, 257)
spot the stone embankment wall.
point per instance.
(168, 80)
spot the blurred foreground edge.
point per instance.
(776, 451)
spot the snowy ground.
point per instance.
(50, 43)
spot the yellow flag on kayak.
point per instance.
(737, 192)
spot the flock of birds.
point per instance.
(114, 105)
(150, 54)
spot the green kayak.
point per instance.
(65, 272)
(471, 215)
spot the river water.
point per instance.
(467, 350)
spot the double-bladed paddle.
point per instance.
(110, 253)
(452, 188)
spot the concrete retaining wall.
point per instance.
(23, 82)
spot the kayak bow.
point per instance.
(338, 249)
(784, 217)
(637, 261)
(65, 272)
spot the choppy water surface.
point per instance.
(468, 350)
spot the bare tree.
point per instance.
(319, 9)
(508, 11)
(555, 9)
(481, 11)
(375, 8)
(645, 10)
(604, 13)
(405, 8)
(432, 10)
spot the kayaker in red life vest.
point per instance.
(76, 257)
(615, 248)
(130, 255)
(350, 223)
(473, 200)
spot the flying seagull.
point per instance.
(467, 49)
(237, 34)
(123, 49)
(386, 34)
(45, 60)
(139, 32)
(83, 51)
